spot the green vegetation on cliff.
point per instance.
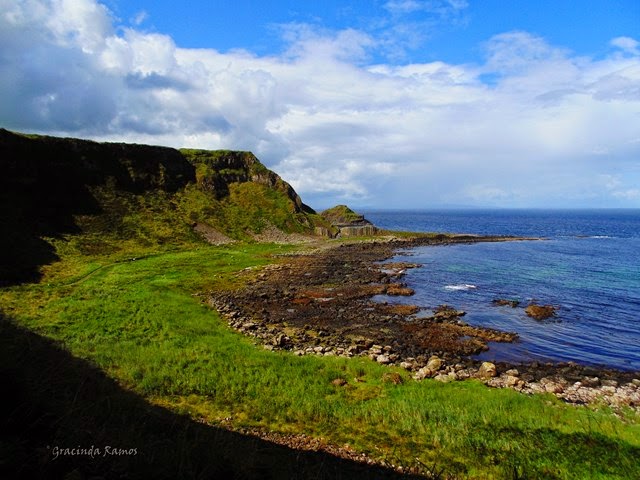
(108, 197)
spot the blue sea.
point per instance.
(588, 265)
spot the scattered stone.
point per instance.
(280, 340)
(434, 364)
(375, 350)
(399, 290)
(423, 373)
(339, 382)
(511, 380)
(445, 377)
(446, 312)
(383, 359)
(487, 370)
(406, 365)
(540, 312)
(502, 302)
(591, 381)
(553, 387)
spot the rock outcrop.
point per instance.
(540, 312)
(217, 169)
(348, 223)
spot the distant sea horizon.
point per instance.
(587, 267)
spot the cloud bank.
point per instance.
(531, 125)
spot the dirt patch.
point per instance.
(211, 235)
(272, 234)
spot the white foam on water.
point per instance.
(462, 286)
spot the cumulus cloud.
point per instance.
(531, 125)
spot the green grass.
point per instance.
(140, 322)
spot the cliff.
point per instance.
(217, 169)
(95, 196)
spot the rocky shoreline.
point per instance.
(332, 302)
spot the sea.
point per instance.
(586, 264)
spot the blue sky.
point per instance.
(389, 103)
(449, 34)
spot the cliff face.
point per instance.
(50, 163)
(217, 169)
(100, 194)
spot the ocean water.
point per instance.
(588, 266)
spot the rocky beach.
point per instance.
(338, 300)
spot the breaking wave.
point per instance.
(462, 286)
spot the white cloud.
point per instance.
(546, 126)
(139, 18)
(440, 7)
(627, 44)
(403, 6)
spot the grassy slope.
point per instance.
(140, 323)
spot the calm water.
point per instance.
(588, 266)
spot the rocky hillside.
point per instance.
(98, 196)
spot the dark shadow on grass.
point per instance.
(53, 400)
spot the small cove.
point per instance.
(587, 267)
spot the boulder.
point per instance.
(487, 370)
(446, 312)
(503, 302)
(434, 364)
(423, 373)
(445, 378)
(540, 312)
(511, 380)
(383, 359)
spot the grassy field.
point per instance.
(141, 322)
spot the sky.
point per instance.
(376, 104)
